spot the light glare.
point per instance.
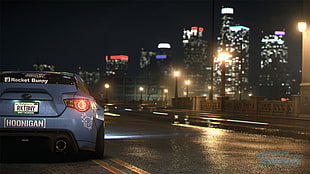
(176, 73)
(302, 26)
(224, 56)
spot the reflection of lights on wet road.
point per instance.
(119, 136)
(160, 113)
(203, 130)
(236, 121)
(112, 114)
(211, 143)
(210, 131)
(115, 137)
(214, 119)
(250, 122)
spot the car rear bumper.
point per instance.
(57, 140)
(78, 130)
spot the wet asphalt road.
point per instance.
(144, 144)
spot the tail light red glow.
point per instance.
(81, 105)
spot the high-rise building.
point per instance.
(274, 77)
(163, 59)
(195, 60)
(156, 69)
(115, 74)
(116, 65)
(44, 67)
(234, 40)
(90, 78)
(146, 57)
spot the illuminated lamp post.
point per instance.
(166, 96)
(302, 26)
(141, 91)
(223, 56)
(212, 48)
(209, 87)
(176, 75)
(305, 81)
(106, 86)
(187, 83)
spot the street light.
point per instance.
(141, 90)
(305, 78)
(106, 86)
(166, 96)
(223, 56)
(176, 75)
(302, 26)
(212, 48)
(187, 83)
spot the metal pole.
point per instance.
(141, 97)
(187, 90)
(106, 95)
(222, 92)
(176, 87)
(212, 52)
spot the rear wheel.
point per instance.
(99, 151)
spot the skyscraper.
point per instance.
(116, 65)
(234, 40)
(195, 60)
(163, 59)
(155, 71)
(274, 77)
(146, 57)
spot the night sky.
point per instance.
(72, 33)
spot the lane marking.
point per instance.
(108, 167)
(115, 170)
(129, 166)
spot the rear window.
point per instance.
(37, 78)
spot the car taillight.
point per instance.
(81, 105)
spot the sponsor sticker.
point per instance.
(24, 123)
(25, 80)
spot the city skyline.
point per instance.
(66, 33)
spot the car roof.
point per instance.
(42, 72)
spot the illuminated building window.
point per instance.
(235, 40)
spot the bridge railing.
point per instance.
(256, 105)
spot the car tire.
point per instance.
(99, 151)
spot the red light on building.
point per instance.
(194, 28)
(117, 57)
(197, 28)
